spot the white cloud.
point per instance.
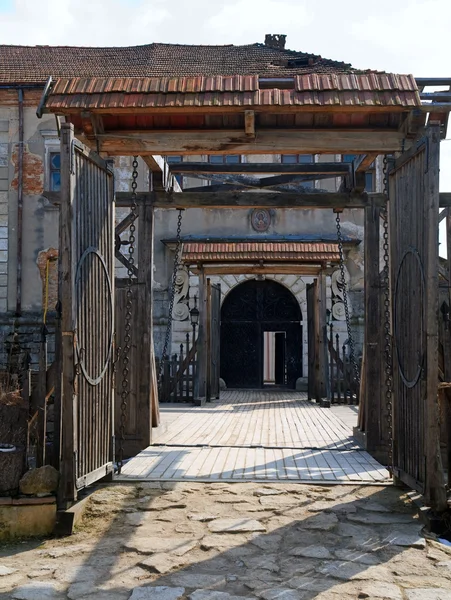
(404, 36)
(245, 17)
(84, 22)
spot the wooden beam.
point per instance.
(268, 141)
(363, 162)
(161, 175)
(243, 269)
(319, 168)
(373, 372)
(254, 200)
(286, 200)
(249, 123)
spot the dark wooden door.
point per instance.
(414, 207)
(250, 309)
(86, 292)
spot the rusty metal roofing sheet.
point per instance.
(255, 251)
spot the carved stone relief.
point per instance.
(181, 309)
(338, 307)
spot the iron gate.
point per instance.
(249, 310)
(86, 291)
(413, 216)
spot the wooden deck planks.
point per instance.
(256, 436)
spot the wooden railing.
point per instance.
(343, 387)
(179, 371)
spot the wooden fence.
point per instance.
(343, 387)
(178, 374)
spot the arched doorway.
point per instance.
(261, 336)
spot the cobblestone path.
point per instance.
(221, 541)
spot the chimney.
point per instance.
(275, 40)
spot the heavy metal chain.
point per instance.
(167, 338)
(387, 323)
(345, 300)
(125, 394)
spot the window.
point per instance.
(291, 159)
(55, 171)
(224, 159)
(174, 160)
(303, 159)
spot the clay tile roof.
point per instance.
(255, 251)
(34, 64)
(331, 89)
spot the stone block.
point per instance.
(26, 520)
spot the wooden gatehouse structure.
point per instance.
(367, 114)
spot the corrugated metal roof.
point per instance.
(255, 251)
(362, 90)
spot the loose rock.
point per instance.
(39, 482)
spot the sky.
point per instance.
(399, 36)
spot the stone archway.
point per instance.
(255, 316)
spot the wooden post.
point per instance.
(146, 388)
(41, 402)
(66, 274)
(208, 343)
(200, 388)
(322, 349)
(373, 379)
(435, 489)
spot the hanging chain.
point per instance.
(345, 301)
(387, 323)
(167, 338)
(125, 394)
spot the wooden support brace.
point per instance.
(249, 123)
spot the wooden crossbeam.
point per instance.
(267, 141)
(285, 200)
(254, 200)
(286, 169)
(237, 269)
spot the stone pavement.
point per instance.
(221, 541)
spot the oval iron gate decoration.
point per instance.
(90, 281)
(409, 342)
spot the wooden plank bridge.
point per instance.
(256, 435)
